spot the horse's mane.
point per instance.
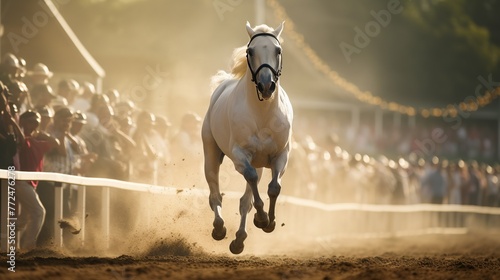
(239, 61)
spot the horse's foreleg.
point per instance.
(273, 192)
(237, 245)
(213, 159)
(252, 176)
(274, 188)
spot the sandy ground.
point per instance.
(464, 256)
(172, 240)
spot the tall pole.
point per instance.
(498, 127)
(260, 12)
(379, 115)
(1, 28)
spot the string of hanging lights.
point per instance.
(471, 104)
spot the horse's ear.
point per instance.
(249, 30)
(277, 30)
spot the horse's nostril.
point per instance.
(272, 87)
(260, 87)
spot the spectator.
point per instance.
(145, 155)
(42, 95)
(453, 180)
(82, 100)
(114, 97)
(58, 103)
(474, 185)
(60, 161)
(68, 89)
(47, 113)
(124, 108)
(435, 183)
(81, 164)
(9, 69)
(109, 142)
(493, 191)
(97, 103)
(188, 140)
(8, 131)
(161, 143)
(20, 96)
(83, 158)
(39, 75)
(187, 156)
(126, 124)
(32, 149)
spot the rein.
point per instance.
(276, 73)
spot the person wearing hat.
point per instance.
(161, 143)
(68, 89)
(145, 155)
(82, 100)
(42, 95)
(83, 158)
(20, 96)
(9, 69)
(187, 151)
(433, 184)
(39, 74)
(81, 164)
(63, 119)
(32, 148)
(124, 108)
(47, 113)
(59, 161)
(113, 96)
(9, 132)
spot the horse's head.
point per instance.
(264, 59)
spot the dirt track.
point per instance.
(471, 256)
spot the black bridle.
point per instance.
(276, 73)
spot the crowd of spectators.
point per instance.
(471, 140)
(336, 170)
(74, 129)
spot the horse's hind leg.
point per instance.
(213, 159)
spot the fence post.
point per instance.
(4, 186)
(105, 216)
(82, 211)
(58, 215)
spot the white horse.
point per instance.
(249, 120)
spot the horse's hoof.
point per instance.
(235, 249)
(260, 223)
(219, 234)
(270, 227)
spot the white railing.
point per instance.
(326, 220)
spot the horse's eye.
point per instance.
(250, 52)
(278, 51)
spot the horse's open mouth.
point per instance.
(266, 96)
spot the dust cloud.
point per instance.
(181, 224)
(147, 225)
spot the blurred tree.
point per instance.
(430, 54)
(456, 44)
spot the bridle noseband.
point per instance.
(276, 73)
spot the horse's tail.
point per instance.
(238, 68)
